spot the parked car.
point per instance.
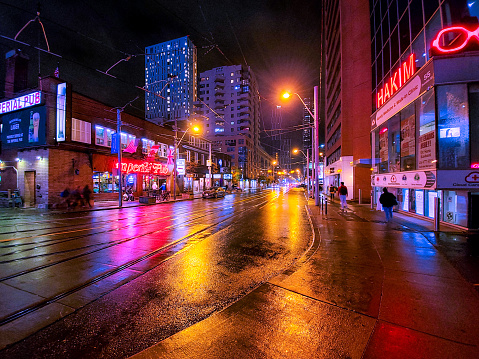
(214, 192)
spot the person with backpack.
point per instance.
(388, 201)
(343, 192)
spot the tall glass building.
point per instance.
(170, 80)
(425, 101)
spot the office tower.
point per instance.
(345, 98)
(308, 122)
(170, 80)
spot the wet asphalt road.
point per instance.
(124, 279)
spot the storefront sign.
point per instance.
(458, 179)
(19, 103)
(412, 179)
(180, 166)
(143, 167)
(24, 128)
(61, 110)
(427, 150)
(396, 81)
(217, 176)
(407, 94)
(227, 176)
(462, 37)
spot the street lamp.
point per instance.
(307, 166)
(287, 95)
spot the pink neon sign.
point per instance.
(474, 165)
(145, 167)
(460, 41)
(396, 81)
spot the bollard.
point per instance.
(326, 207)
(360, 196)
(372, 204)
(437, 212)
(322, 202)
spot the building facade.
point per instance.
(228, 106)
(170, 80)
(345, 101)
(425, 100)
(53, 138)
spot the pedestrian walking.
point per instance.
(76, 197)
(66, 197)
(87, 195)
(343, 192)
(332, 189)
(388, 201)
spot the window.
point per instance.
(146, 145)
(241, 141)
(126, 139)
(163, 150)
(426, 155)
(408, 138)
(81, 131)
(453, 127)
(382, 148)
(99, 135)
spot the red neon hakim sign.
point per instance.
(145, 167)
(465, 36)
(396, 81)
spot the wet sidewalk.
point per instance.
(365, 289)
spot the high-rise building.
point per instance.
(308, 122)
(170, 80)
(346, 82)
(228, 104)
(425, 97)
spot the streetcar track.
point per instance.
(104, 244)
(59, 220)
(118, 269)
(106, 223)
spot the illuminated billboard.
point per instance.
(24, 128)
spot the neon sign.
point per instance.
(396, 81)
(18, 103)
(475, 165)
(145, 167)
(461, 36)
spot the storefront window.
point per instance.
(429, 199)
(426, 157)
(408, 138)
(455, 207)
(453, 127)
(419, 202)
(104, 182)
(383, 149)
(394, 143)
(474, 120)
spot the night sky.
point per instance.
(279, 40)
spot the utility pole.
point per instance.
(118, 141)
(316, 147)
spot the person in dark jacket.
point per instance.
(388, 201)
